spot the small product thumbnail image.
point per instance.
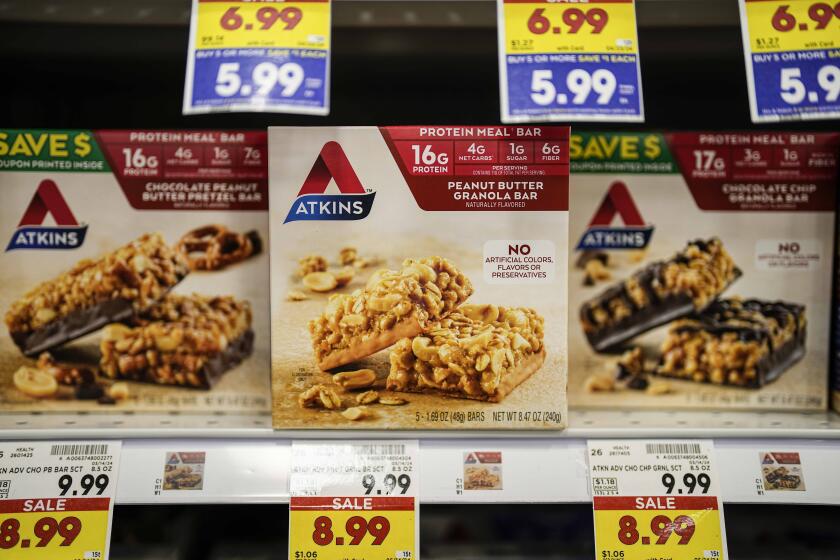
(439, 343)
(184, 470)
(483, 470)
(781, 471)
(146, 331)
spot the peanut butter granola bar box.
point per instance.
(419, 277)
(134, 275)
(701, 268)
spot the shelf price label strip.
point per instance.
(353, 499)
(792, 53)
(656, 499)
(57, 499)
(258, 56)
(569, 61)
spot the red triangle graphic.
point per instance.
(332, 163)
(617, 201)
(48, 200)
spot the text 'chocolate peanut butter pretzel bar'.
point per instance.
(420, 277)
(135, 271)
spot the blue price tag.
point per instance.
(792, 50)
(569, 61)
(258, 56)
(293, 79)
(566, 87)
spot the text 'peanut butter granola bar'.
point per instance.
(188, 341)
(480, 352)
(393, 305)
(94, 293)
(746, 343)
(658, 293)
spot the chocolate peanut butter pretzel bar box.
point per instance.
(701, 268)
(418, 277)
(134, 274)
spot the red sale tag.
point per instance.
(354, 500)
(58, 499)
(655, 500)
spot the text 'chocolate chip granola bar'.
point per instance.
(393, 305)
(188, 341)
(746, 343)
(94, 293)
(658, 293)
(479, 352)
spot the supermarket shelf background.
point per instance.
(582, 424)
(120, 64)
(351, 13)
(533, 471)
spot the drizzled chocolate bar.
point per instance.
(746, 343)
(188, 341)
(94, 293)
(658, 293)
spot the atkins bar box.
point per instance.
(135, 273)
(701, 269)
(419, 277)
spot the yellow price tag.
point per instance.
(290, 24)
(596, 26)
(643, 527)
(792, 25)
(55, 529)
(369, 528)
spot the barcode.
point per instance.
(672, 448)
(381, 449)
(80, 449)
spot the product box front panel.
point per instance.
(700, 269)
(134, 272)
(419, 277)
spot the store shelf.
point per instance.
(583, 424)
(247, 462)
(534, 471)
(353, 13)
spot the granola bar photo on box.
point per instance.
(135, 276)
(416, 285)
(702, 269)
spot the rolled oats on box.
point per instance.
(434, 262)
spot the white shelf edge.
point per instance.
(582, 424)
(533, 471)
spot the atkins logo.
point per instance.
(601, 234)
(312, 202)
(31, 234)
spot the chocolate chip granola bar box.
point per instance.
(419, 277)
(134, 274)
(701, 269)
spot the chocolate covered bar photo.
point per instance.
(658, 293)
(480, 352)
(744, 343)
(188, 341)
(94, 293)
(394, 304)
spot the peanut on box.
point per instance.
(701, 269)
(134, 275)
(419, 277)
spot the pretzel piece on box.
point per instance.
(214, 247)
